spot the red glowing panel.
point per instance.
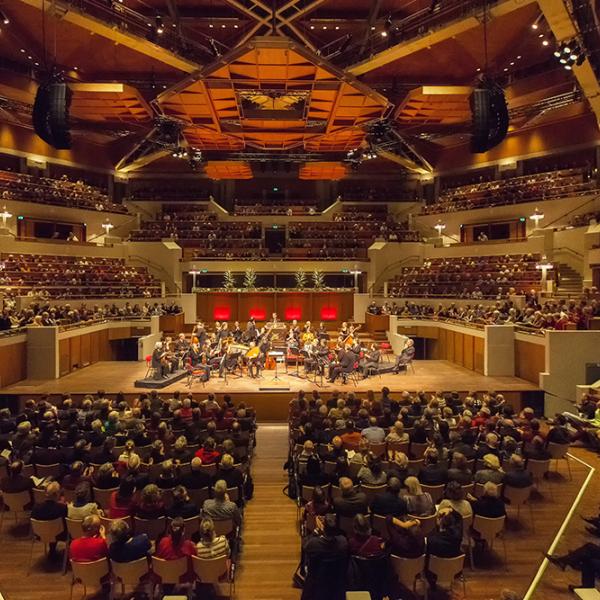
(259, 314)
(293, 313)
(222, 313)
(329, 313)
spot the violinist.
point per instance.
(195, 354)
(322, 355)
(229, 360)
(322, 332)
(370, 361)
(200, 333)
(181, 345)
(344, 330)
(223, 332)
(344, 366)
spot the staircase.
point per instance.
(571, 282)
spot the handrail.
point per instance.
(566, 249)
(158, 267)
(388, 268)
(95, 237)
(571, 211)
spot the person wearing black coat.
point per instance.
(389, 502)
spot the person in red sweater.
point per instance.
(92, 546)
(174, 545)
(208, 453)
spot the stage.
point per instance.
(271, 401)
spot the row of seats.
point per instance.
(469, 277)
(63, 276)
(58, 192)
(515, 190)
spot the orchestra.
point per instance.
(236, 351)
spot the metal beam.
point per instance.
(108, 31)
(451, 29)
(564, 29)
(373, 15)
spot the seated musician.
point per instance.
(322, 332)
(294, 329)
(159, 366)
(181, 345)
(251, 333)
(169, 355)
(310, 356)
(200, 333)
(237, 332)
(229, 360)
(405, 357)
(370, 361)
(195, 354)
(345, 365)
(344, 330)
(223, 332)
(274, 320)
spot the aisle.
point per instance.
(271, 543)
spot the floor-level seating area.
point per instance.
(58, 276)
(515, 190)
(58, 192)
(469, 277)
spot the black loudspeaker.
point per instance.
(490, 117)
(51, 114)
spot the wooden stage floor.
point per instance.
(429, 375)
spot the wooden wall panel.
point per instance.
(478, 354)
(259, 304)
(171, 324)
(339, 305)
(378, 323)
(450, 345)
(294, 306)
(458, 348)
(219, 303)
(530, 360)
(64, 357)
(119, 333)
(75, 352)
(442, 342)
(86, 350)
(105, 348)
(95, 347)
(468, 346)
(13, 363)
(430, 333)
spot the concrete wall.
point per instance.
(163, 260)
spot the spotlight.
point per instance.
(557, 53)
(160, 27)
(567, 49)
(4, 18)
(384, 34)
(534, 26)
(545, 43)
(568, 67)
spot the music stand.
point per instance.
(296, 357)
(276, 354)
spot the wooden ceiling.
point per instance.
(240, 80)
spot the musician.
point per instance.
(322, 332)
(200, 333)
(159, 366)
(251, 333)
(322, 354)
(370, 361)
(195, 354)
(181, 345)
(254, 360)
(292, 342)
(229, 360)
(170, 356)
(223, 332)
(308, 327)
(237, 332)
(310, 356)
(294, 330)
(344, 330)
(345, 365)
(274, 320)
(405, 357)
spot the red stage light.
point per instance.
(222, 313)
(259, 314)
(329, 313)
(293, 313)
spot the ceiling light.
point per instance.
(160, 27)
(235, 26)
(541, 35)
(312, 26)
(563, 61)
(23, 50)
(223, 26)
(372, 27)
(4, 18)
(324, 26)
(75, 68)
(519, 57)
(534, 26)
(557, 53)
(210, 25)
(567, 49)
(384, 34)
(337, 27)
(545, 43)
(512, 63)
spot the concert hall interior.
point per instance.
(299, 299)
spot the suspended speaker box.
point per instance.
(51, 114)
(489, 113)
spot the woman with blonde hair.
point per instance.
(150, 505)
(210, 545)
(418, 502)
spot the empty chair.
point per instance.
(407, 569)
(558, 452)
(538, 468)
(517, 497)
(212, 570)
(488, 530)
(153, 528)
(89, 574)
(446, 570)
(45, 532)
(129, 573)
(15, 503)
(436, 491)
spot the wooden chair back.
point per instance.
(407, 569)
(417, 450)
(153, 528)
(210, 570)
(169, 571)
(47, 531)
(436, 491)
(224, 526)
(428, 524)
(446, 569)
(129, 573)
(53, 471)
(102, 497)
(74, 528)
(488, 529)
(199, 496)
(377, 449)
(371, 491)
(558, 450)
(90, 573)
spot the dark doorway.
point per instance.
(275, 239)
